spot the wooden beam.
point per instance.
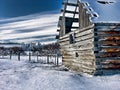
(67, 11)
(60, 18)
(58, 30)
(72, 27)
(69, 4)
(75, 19)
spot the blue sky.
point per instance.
(29, 20)
(15, 8)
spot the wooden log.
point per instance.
(68, 57)
(83, 33)
(89, 57)
(108, 54)
(111, 32)
(109, 42)
(86, 48)
(85, 37)
(64, 40)
(89, 52)
(75, 67)
(88, 40)
(110, 58)
(110, 67)
(111, 62)
(88, 70)
(108, 37)
(64, 43)
(90, 27)
(110, 49)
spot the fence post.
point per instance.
(47, 58)
(29, 56)
(18, 56)
(57, 59)
(3, 54)
(10, 55)
(37, 56)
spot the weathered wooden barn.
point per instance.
(89, 36)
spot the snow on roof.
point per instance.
(103, 10)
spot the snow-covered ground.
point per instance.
(24, 75)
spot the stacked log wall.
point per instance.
(107, 48)
(79, 56)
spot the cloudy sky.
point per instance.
(29, 20)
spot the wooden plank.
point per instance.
(110, 50)
(64, 39)
(107, 35)
(66, 35)
(89, 63)
(83, 42)
(76, 67)
(68, 57)
(91, 27)
(88, 45)
(85, 51)
(108, 54)
(107, 72)
(85, 47)
(109, 38)
(68, 65)
(107, 24)
(110, 67)
(69, 27)
(111, 62)
(72, 19)
(110, 58)
(88, 69)
(64, 43)
(69, 4)
(84, 33)
(107, 61)
(108, 47)
(90, 57)
(106, 29)
(68, 11)
(111, 32)
(85, 37)
(109, 42)
(81, 49)
(80, 52)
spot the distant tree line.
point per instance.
(40, 48)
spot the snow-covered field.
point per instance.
(24, 75)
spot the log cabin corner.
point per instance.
(89, 36)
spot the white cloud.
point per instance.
(28, 27)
